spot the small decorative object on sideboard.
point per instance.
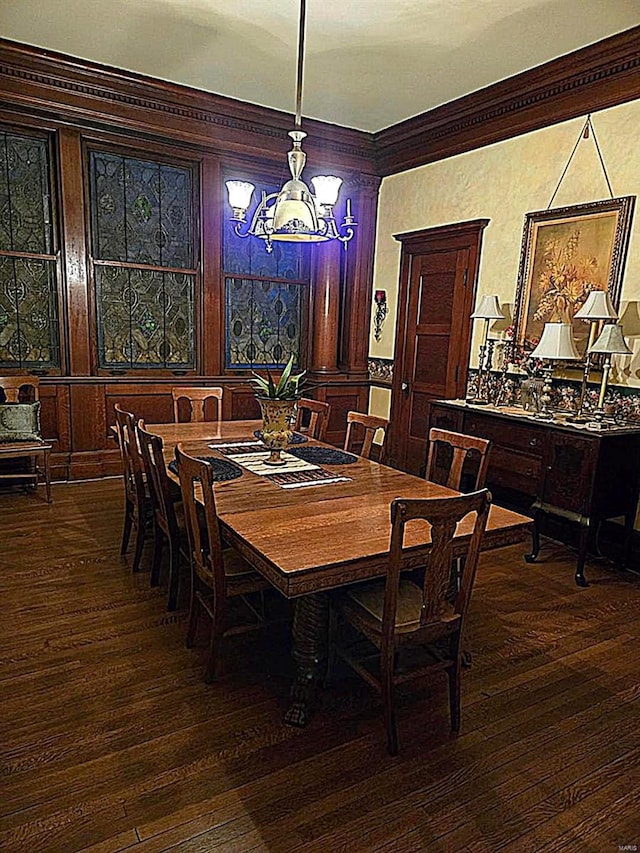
(488, 309)
(556, 344)
(278, 406)
(610, 342)
(595, 311)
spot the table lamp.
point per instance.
(610, 342)
(488, 309)
(597, 308)
(556, 344)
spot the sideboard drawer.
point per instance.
(521, 437)
(514, 470)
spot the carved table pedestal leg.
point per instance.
(310, 624)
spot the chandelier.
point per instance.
(295, 213)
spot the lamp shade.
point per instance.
(240, 193)
(611, 340)
(326, 188)
(597, 307)
(556, 343)
(488, 309)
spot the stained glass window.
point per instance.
(29, 329)
(142, 227)
(265, 300)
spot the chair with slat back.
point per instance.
(19, 389)
(396, 612)
(313, 418)
(217, 574)
(197, 398)
(136, 506)
(459, 448)
(168, 515)
(366, 426)
(20, 439)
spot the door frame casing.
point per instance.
(462, 236)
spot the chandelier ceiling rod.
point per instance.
(303, 17)
(294, 213)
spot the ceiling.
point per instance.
(369, 63)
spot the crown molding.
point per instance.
(85, 94)
(593, 78)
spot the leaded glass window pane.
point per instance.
(25, 214)
(29, 328)
(265, 299)
(264, 322)
(28, 313)
(142, 218)
(248, 256)
(145, 318)
(141, 211)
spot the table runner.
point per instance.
(295, 474)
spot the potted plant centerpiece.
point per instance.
(278, 405)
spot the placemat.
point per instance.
(300, 479)
(255, 462)
(297, 438)
(323, 455)
(223, 469)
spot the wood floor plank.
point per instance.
(111, 742)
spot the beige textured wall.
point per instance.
(503, 182)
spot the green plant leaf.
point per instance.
(284, 379)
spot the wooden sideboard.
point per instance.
(567, 471)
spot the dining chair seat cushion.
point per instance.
(19, 422)
(370, 597)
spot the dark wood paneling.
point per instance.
(59, 86)
(593, 78)
(342, 398)
(81, 105)
(75, 250)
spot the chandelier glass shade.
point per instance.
(295, 213)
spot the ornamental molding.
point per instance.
(253, 127)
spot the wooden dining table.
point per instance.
(309, 540)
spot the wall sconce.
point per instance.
(380, 298)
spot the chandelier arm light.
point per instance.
(295, 213)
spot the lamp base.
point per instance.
(577, 419)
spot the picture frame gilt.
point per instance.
(566, 253)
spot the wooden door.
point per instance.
(438, 275)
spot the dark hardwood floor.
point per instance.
(111, 741)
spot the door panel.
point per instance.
(437, 286)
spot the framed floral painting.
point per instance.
(566, 253)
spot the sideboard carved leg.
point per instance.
(535, 539)
(310, 624)
(582, 553)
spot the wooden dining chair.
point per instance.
(169, 525)
(396, 613)
(313, 418)
(19, 389)
(197, 399)
(217, 574)
(360, 426)
(137, 505)
(459, 462)
(456, 460)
